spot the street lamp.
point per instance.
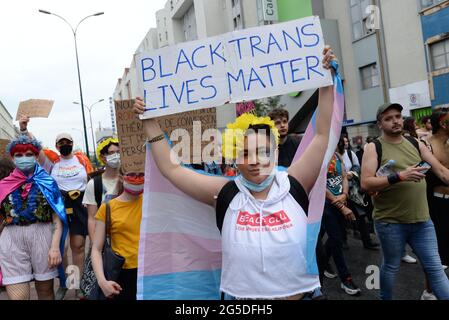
(77, 65)
(90, 116)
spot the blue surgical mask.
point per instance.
(25, 164)
(257, 187)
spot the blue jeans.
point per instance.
(422, 239)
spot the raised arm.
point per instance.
(200, 187)
(307, 168)
(42, 159)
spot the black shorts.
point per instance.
(76, 214)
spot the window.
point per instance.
(359, 18)
(429, 3)
(440, 55)
(370, 76)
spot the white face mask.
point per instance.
(113, 160)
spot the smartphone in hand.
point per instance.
(423, 164)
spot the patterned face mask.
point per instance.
(113, 160)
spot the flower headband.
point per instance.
(103, 144)
(35, 145)
(233, 136)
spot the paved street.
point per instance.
(409, 283)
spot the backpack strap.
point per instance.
(224, 199)
(98, 190)
(299, 194)
(414, 142)
(379, 152)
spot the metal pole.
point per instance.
(81, 97)
(92, 129)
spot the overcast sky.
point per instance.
(37, 57)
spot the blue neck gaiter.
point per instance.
(257, 187)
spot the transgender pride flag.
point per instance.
(318, 194)
(180, 245)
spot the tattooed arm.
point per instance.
(54, 255)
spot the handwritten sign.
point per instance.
(3, 144)
(132, 137)
(35, 108)
(238, 66)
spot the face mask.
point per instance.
(65, 150)
(113, 160)
(133, 189)
(25, 164)
(257, 187)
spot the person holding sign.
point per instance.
(262, 257)
(70, 170)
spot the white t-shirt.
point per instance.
(70, 174)
(347, 160)
(265, 258)
(109, 189)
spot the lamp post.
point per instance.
(90, 116)
(77, 65)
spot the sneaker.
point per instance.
(428, 296)
(408, 259)
(350, 288)
(444, 267)
(60, 293)
(329, 274)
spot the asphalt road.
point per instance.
(409, 281)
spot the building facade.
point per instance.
(435, 28)
(383, 58)
(7, 128)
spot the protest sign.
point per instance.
(238, 66)
(132, 137)
(35, 108)
(3, 144)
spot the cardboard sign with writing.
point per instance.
(3, 144)
(132, 137)
(35, 108)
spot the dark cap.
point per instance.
(383, 108)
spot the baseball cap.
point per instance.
(383, 108)
(64, 136)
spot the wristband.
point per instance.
(156, 139)
(394, 178)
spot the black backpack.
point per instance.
(378, 145)
(98, 190)
(230, 190)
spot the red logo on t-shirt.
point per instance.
(272, 220)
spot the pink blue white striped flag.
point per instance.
(180, 245)
(318, 194)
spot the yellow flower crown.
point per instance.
(102, 145)
(233, 137)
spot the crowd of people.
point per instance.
(395, 185)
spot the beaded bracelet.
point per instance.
(156, 139)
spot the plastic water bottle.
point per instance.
(386, 169)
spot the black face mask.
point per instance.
(65, 150)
